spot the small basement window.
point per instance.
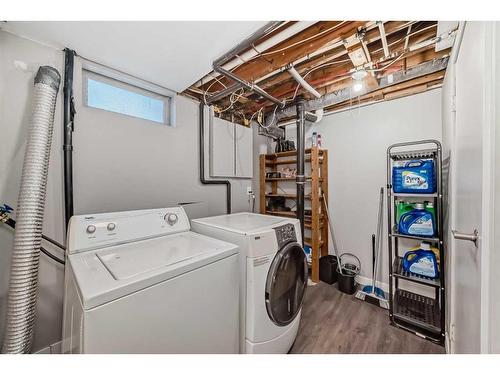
(116, 96)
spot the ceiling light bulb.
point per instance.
(358, 75)
(357, 87)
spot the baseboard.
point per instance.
(368, 281)
(54, 348)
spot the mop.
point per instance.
(371, 293)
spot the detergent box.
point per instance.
(414, 176)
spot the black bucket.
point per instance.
(347, 283)
(346, 273)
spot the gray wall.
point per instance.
(120, 163)
(357, 142)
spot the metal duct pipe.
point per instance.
(247, 85)
(203, 180)
(245, 44)
(23, 287)
(301, 178)
(69, 113)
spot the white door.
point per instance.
(471, 179)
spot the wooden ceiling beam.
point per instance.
(383, 38)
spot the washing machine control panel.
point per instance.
(285, 234)
(90, 232)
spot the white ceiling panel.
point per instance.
(173, 54)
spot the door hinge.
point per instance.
(453, 103)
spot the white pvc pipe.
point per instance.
(301, 81)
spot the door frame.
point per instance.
(488, 186)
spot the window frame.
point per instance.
(132, 84)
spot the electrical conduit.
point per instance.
(23, 287)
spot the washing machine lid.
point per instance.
(244, 222)
(113, 272)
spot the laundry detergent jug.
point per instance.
(402, 207)
(417, 222)
(421, 262)
(415, 176)
(428, 246)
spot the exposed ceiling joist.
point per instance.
(346, 93)
(325, 55)
(383, 38)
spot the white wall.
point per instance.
(126, 163)
(357, 142)
(495, 256)
(120, 163)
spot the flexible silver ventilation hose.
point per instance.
(23, 286)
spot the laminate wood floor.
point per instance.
(334, 322)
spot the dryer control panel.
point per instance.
(285, 234)
(90, 232)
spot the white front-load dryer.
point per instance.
(273, 274)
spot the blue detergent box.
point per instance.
(414, 176)
(308, 252)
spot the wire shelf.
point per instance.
(398, 271)
(415, 154)
(417, 310)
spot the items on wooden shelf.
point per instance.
(278, 196)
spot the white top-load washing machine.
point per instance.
(273, 270)
(142, 282)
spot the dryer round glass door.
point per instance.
(286, 284)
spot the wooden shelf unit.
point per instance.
(316, 223)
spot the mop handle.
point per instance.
(334, 242)
(379, 236)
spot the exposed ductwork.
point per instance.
(23, 287)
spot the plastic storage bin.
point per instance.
(415, 176)
(328, 269)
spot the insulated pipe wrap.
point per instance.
(23, 287)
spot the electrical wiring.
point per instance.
(389, 64)
(233, 98)
(216, 80)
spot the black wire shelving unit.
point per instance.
(416, 303)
